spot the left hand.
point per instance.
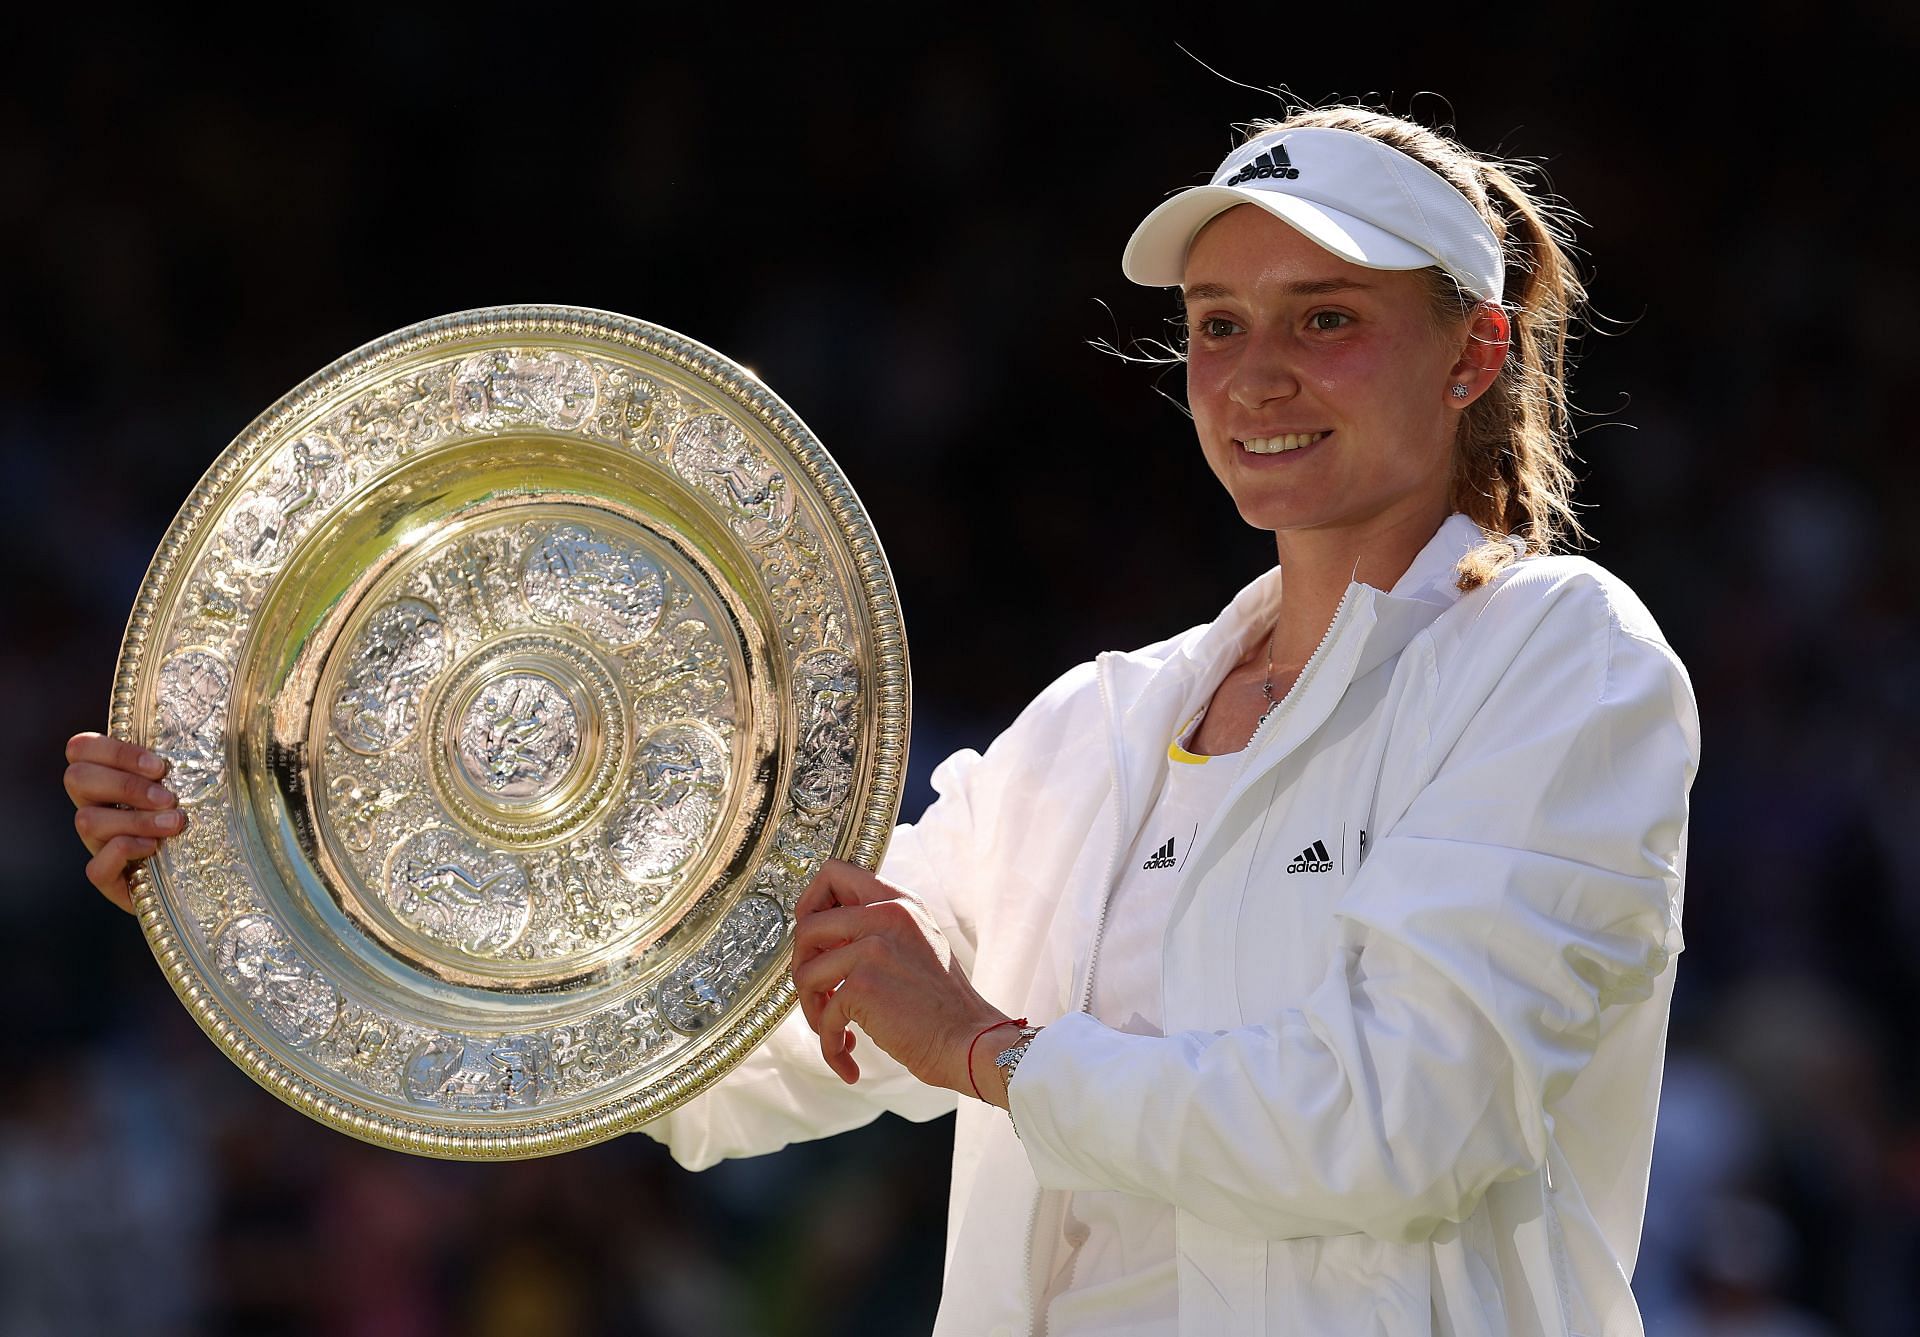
(869, 952)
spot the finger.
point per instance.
(821, 893)
(836, 1037)
(827, 929)
(89, 783)
(824, 930)
(117, 753)
(107, 870)
(99, 825)
(840, 883)
(816, 980)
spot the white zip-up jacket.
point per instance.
(1413, 1093)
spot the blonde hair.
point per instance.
(1512, 471)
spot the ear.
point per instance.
(1481, 356)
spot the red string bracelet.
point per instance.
(1017, 1021)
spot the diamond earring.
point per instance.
(1460, 391)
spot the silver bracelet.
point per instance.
(1008, 1059)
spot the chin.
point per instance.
(1271, 516)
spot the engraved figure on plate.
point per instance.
(190, 730)
(829, 690)
(798, 852)
(262, 524)
(396, 654)
(356, 804)
(627, 404)
(751, 932)
(512, 386)
(672, 801)
(454, 892)
(256, 959)
(518, 736)
(575, 577)
(471, 581)
(715, 455)
(589, 900)
(700, 991)
(506, 1073)
(406, 414)
(683, 670)
(608, 1044)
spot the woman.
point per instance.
(1343, 922)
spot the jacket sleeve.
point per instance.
(783, 1091)
(1531, 884)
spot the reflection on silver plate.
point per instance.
(518, 671)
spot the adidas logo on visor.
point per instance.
(1271, 165)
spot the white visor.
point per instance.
(1357, 197)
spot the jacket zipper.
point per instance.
(1036, 1316)
(1113, 852)
(1036, 1321)
(1306, 672)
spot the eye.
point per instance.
(1326, 321)
(1214, 327)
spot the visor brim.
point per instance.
(1156, 254)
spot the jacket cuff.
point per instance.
(1048, 1099)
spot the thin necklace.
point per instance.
(1267, 686)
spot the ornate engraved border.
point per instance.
(875, 807)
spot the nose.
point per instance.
(1264, 371)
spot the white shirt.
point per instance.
(1116, 1251)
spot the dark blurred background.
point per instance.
(911, 228)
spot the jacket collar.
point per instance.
(1427, 589)
(1200, 658)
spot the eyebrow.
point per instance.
(1213, 292)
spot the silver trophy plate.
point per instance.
(517, 673)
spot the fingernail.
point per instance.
(170, 819)
(158, 795)
(153, 765)
(145, 844)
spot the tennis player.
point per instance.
(1307, 971)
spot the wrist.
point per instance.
(984, 1043)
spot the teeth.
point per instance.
(1273, 445)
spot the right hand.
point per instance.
(123, 813)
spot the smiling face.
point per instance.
(1320, 389)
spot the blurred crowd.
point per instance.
(917, 245)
